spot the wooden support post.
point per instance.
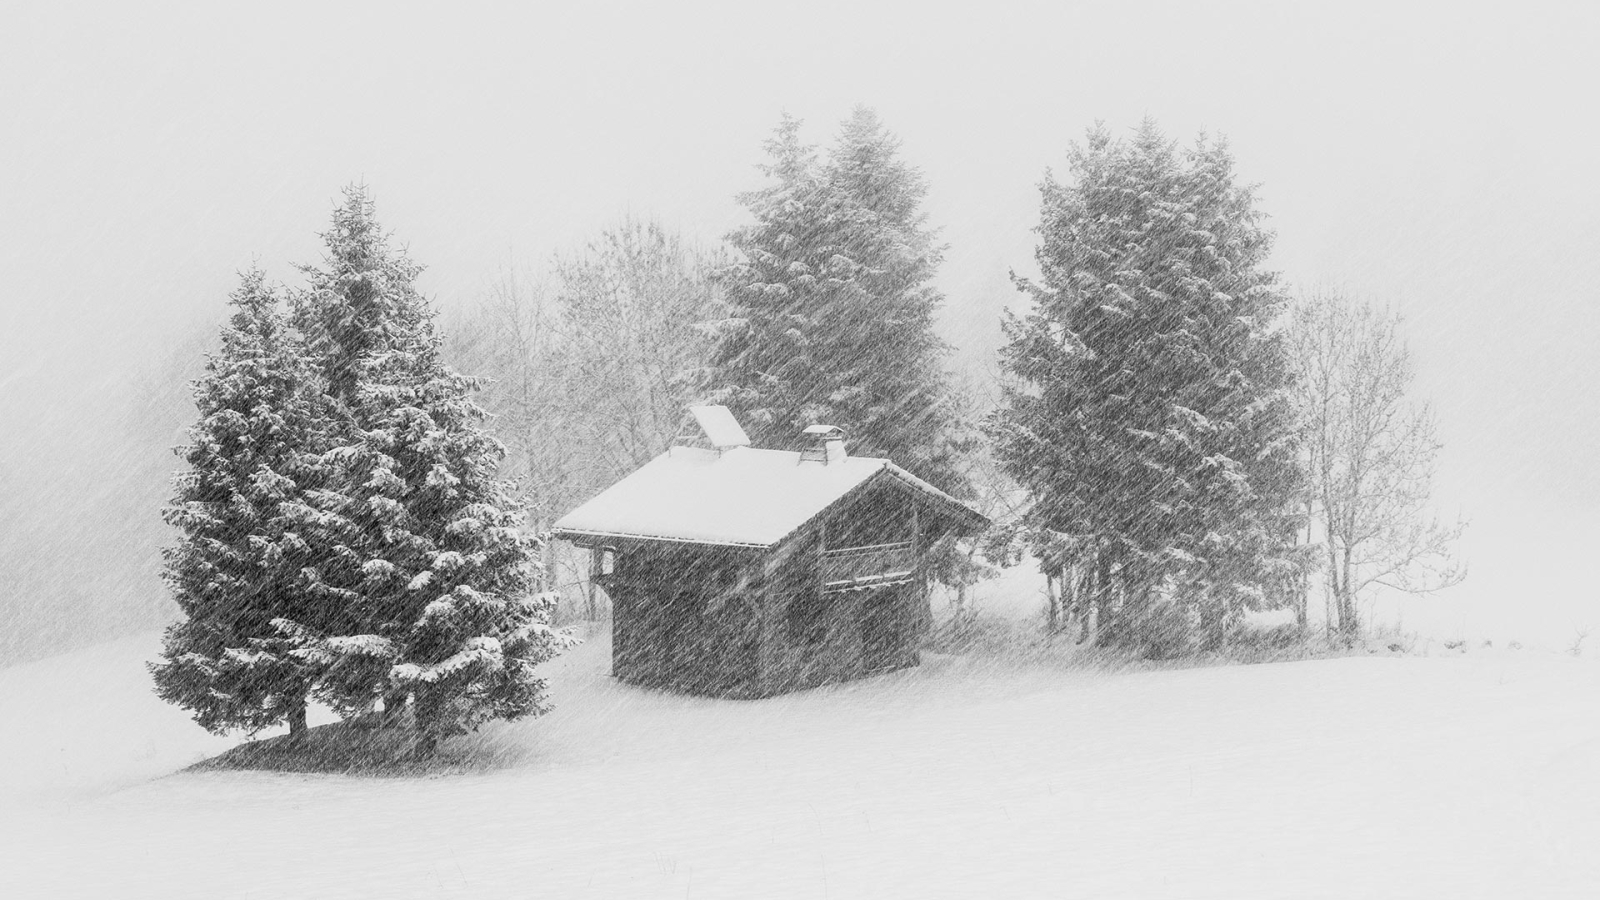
(918, 620)
(596, 569)
(822, 554)
(547, 557)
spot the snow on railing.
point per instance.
(854, 567)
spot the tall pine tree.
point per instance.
(1151, 422)
(767, 366)
(429, 573)
(254, 458)
(835, 303)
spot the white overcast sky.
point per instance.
(1441, 157)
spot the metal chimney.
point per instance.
(823, 444)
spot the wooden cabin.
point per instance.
(742, 572)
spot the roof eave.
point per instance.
(569, 534)
(960, 511)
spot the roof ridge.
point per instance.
(748, 496)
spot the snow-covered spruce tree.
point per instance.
(1152, 422)
(254, 456)
(767, 364)
(835, 305)
(427, 578)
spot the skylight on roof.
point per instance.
(721, 428)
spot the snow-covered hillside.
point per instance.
(1473, 776)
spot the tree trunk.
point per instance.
(547, 556)
(1213, 624)
(1136, 617)
(1052, 608)
(1349, 622)
(426, 747)
(1330, 611)
(297, 720)
(394, 708)
(1105, 618)
(1069, 607)
(425, 710)
(1333, 609)
(1302, 610)
(1083, 602)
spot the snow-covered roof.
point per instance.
(742, 497)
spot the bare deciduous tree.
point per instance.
(964, 562)
(593, 367)
(636, 306)
(512, 337)
(1371, 454)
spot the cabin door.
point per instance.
(882, 628)
(685, 639)
(708, 653)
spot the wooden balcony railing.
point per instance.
(855, 567)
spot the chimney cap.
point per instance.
(825, 444)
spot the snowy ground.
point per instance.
(1472, 776)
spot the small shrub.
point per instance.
(1278, 637)
(1165, 631)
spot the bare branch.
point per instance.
(1371, 454)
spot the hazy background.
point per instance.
(1444, 160)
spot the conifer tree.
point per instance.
(254, 458)
(428, 575)
(767, 367)
(835, 303)
(1151, 422)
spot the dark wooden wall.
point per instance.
(681, 621)
(808, 638)
(747, 623)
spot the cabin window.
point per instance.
(807, 619)
(723, 588)
(718, 576)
